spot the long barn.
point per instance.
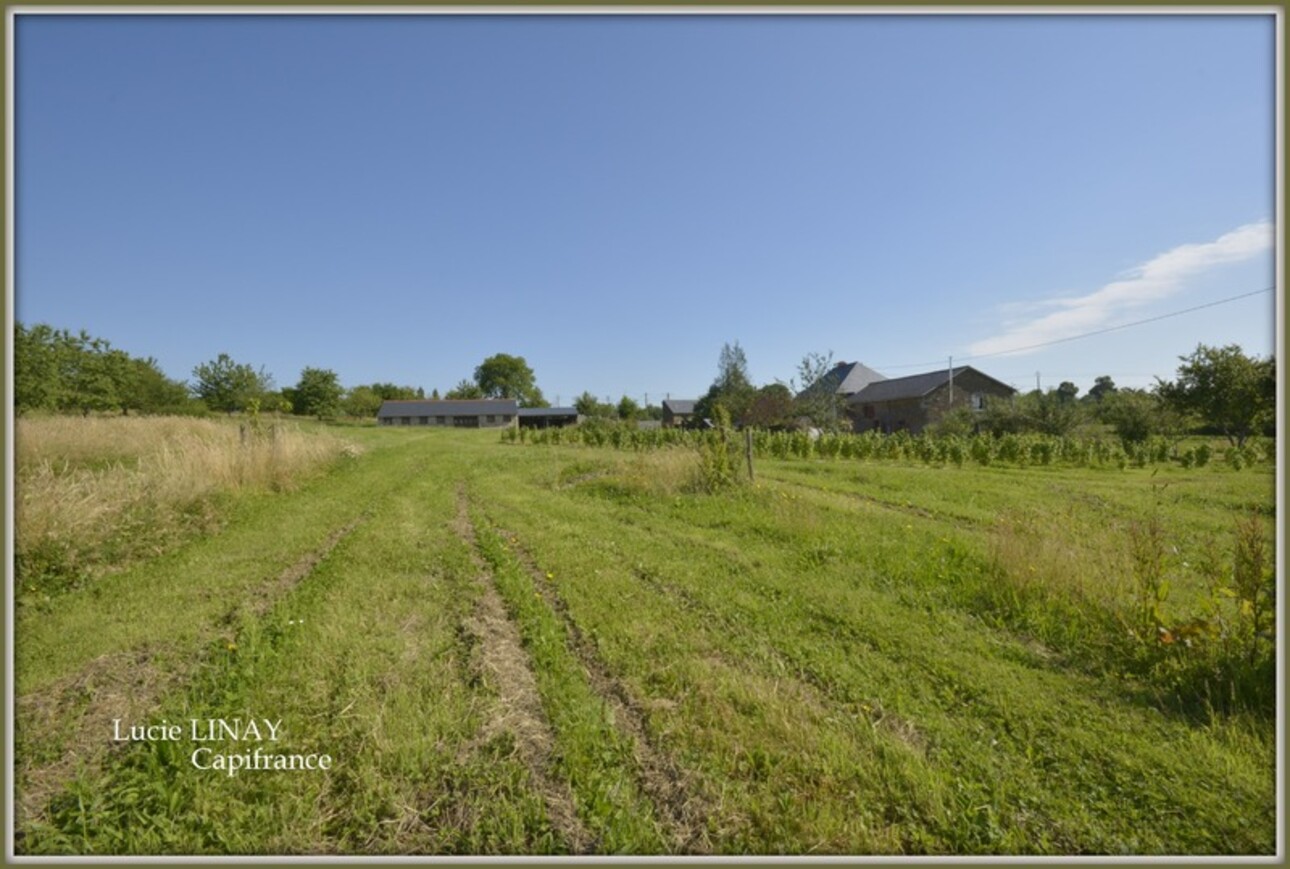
(480, 413)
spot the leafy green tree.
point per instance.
(628, 409)
(37, 384)
(392, 392)
(465, 389)
(591, 407)
(1045, 412)
(1134, 414)
(1102, 387)
(229, 386)
(1067, 391)
(732, 388)
(772, 407)
(146, 389)
(1228, 390)
(818, 399)
(504, 376)
(362, 401)
(317, 393)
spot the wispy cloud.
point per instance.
(1155, 279)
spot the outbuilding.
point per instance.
(677, 412)
(479, 413)
(547, 417)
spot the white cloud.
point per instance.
(1155, 279)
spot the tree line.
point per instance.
(59, 371)
(1217, 389)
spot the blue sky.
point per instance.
(615, 197)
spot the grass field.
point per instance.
(516, 649)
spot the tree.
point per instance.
(1132, 413)
(732, 369)
(465, 389)
(628, 409)
(391, 392)
(317, 393)
(1102, 387)
(591, 407)
(1037, 411)
(93, 374)
(1067, 391)
(732, 388)
(772, 408)
(229, 386)
(818, 399)
(147, 389)
(1222, 386)
(361, 401)
(504, 376)
(36, 379)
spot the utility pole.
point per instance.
(1037, 389)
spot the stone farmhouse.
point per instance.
(877, 403)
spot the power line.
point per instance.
(1090, 334)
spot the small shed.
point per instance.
(547, 417)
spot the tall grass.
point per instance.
(97, 493)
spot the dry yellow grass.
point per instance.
(83, 481)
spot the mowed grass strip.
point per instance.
(172, 600)
(596, 758)
(115, 649)
(365, 660)
(1004, 752)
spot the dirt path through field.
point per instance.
(500, 657)
(674, 791)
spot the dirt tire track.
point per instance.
(129, 685)
(674, 791)
(498, 651)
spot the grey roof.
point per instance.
(679, 405)
(448, 407)
(856, 378)
(913, 386)
(845, 378)
(529, 412)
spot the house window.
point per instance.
(407, 420)
(442, 420)
(978, 401)
(868, 411)
(425, 420)
(506, 418)
(492, 418)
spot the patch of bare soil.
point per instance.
(672, 789)
(499, 657)
(73, 716)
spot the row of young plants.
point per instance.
(1019, 450)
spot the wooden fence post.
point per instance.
(748, 450)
